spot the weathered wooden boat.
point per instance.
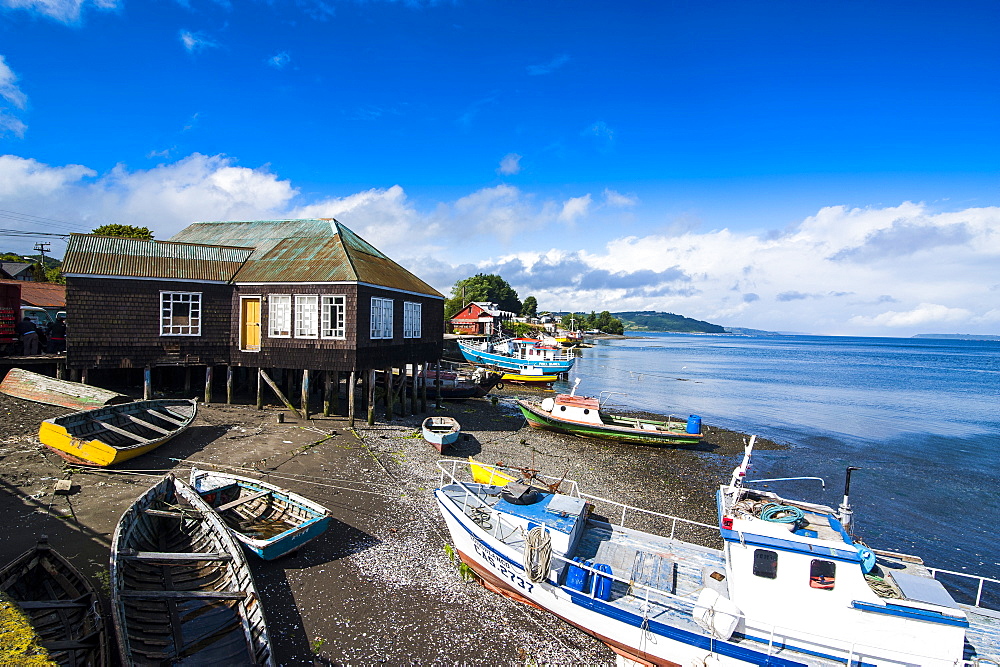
(441, 431)
(44, 389)
(116, 433)
(456, 386)
(788, 583)
(268, 520)
(181, 590)
(60, 604)
(517, 354)
(584, 416)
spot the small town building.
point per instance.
(291, 295)
(480, 318)
(18, 270)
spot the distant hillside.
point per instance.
(959, 336)
(649, 320)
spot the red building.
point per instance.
(479, 318)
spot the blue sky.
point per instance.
(816, 167)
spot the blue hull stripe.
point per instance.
(514, 363)
(604, 609)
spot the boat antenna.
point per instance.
(575, 385)
(845, 513)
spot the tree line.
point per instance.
(491, 288)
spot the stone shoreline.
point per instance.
(378, 587)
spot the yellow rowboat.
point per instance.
(116, 433)
(485, 474)
(526, 378)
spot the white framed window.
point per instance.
(279, 316)
(180, 313)
(381, 317)
(411, 319)
(333, 317)
(306, 316)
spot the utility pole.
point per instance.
(42, 248)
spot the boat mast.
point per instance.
(845, 513)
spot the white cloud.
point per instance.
(510, 164)
(65, 11)
(894, 271)
(923, 314)
(549, 67)
(195, 42)
(14, 97)
(613, 198)
(279, 60)
(574, 208)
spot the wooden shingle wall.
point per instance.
(115, 323)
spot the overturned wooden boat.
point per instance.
(59, 603)
(29, 386)
(441, 431)
(181, 590)
(116, 433)
(268, 520)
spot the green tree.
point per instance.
(482, 287)
(124, 231)
(530, 307)
(38, 274)
(571, 321)
(55, 275)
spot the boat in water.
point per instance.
(787, 584)
(115, 433)
(60, 605)
(517, 354)
(441, 431)
(181, 590)
(268, 520)
(584, 416)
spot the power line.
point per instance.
(36, 219)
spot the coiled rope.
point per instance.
(537, 553)
(776, 513)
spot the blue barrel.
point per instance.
(602, 585)
(694, 424)
(576, 576)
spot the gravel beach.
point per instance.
(378, 587)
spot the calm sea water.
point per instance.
(921, 417)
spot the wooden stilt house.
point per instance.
(307, 295)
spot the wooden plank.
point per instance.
(184, 595)
(68, 645)
(172, 417)
(273, 386)
(120, 431)
(50, 604)
(240, 501)
(172, 555)
(151, 427)
(173, 515)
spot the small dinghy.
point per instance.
(268, 520)
(181, 590)
(441, 431)
(44, 389)
(116, 433)
(59, 603)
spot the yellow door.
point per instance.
(250, 331)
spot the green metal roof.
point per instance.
(306, 251)
(87, 254)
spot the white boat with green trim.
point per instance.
(788, 583)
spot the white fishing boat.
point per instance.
(789, 584)
(517, 355)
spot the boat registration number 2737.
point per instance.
(502, 567)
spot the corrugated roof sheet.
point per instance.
(112, 256)
(43, 295)
(308, 251)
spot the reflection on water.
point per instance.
(918, 415)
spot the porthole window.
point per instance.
(822, 574)
(563, 408)
(765, 563)
(586, 411)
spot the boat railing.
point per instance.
(674, 521)
(449, 469)
(978, 582)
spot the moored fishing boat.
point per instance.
(441, 431)
(59, 603)
(790, 584)
(116, 433)
(268, 520)
(181, 590)
(584, 416)
(531, 375)
(516, 354)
